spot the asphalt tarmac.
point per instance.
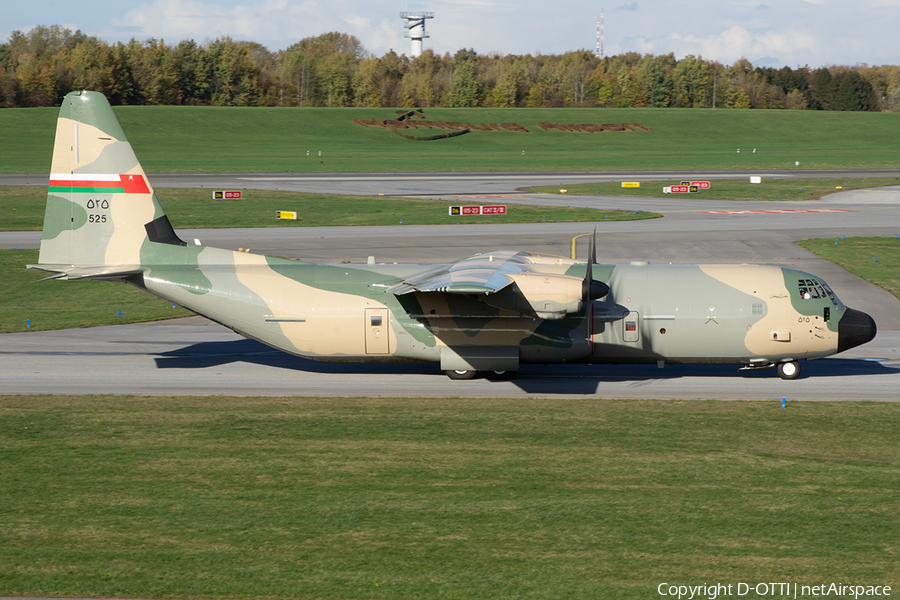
(193, 356)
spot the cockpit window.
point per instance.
(813, 292)
(807, 289)
(811, 289)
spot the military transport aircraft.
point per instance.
(488, 313)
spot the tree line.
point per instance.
(40, 67)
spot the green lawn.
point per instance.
(728, 189)
(858, 255)
(24, 300)
(195, 208)
(218, 139)
(219, 497)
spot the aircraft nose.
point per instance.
(855, 328)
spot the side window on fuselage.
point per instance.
(830, 293)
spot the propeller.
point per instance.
(590, 288)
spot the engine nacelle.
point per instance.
(545, 295)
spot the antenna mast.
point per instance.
(601, 34)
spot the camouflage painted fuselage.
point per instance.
(489, 312)
(708, 314)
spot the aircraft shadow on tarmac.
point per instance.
(569, 379)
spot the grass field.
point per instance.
(728, 189)
(210, 139)
(182, 497)
(195, 208)
(45, 305)
(858, 255)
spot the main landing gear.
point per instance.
(460, 374)
(495, 375)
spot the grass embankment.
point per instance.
(726, 189)
(219, 139)
(161, 497)
(858, 255)
(195, 208)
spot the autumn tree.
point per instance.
(419, 81)
(691, 77)
(464, 90)
(97, 66)
(321, 68)
(194, 73)
(234, 76)
(378, 81)
(653, 75)
(39, 67)
(154, 72)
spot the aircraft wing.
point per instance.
(507, 280)
(480, 274)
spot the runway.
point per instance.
(193, 356)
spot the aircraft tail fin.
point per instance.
(101, 210)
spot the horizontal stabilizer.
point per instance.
(104, 272)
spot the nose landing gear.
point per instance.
(788, 370)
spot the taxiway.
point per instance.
(194, 356)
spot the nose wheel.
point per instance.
(788, 370)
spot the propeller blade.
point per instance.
(589, 274)
(591, 289)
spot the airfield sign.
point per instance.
(687, 187)
(499, 209)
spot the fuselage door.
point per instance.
(377, 331)
(632, 327)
